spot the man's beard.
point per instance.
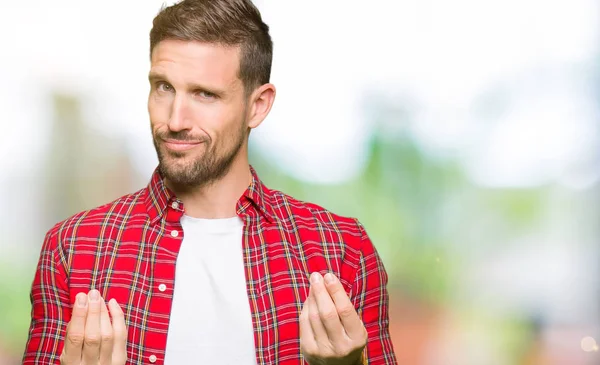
(205, 169)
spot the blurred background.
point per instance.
(464, 134)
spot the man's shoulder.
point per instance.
(286, 206)
(126, 207)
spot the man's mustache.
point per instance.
(182, 136)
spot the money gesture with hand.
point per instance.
(91, 338)
(331, 331)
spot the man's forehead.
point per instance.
(196, 61)
(195, 49)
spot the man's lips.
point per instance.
(178, 145)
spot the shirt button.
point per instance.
(152, 358)
(162, 287)
(174, 233)
(175, 205)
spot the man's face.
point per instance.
(197, 110)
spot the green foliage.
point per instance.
(421, 212)
(399, 199)
(14, 306)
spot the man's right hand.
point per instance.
(91, 337)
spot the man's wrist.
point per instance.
(362, 359)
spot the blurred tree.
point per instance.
(84, 169)
(399, 198)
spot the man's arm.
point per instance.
(370, 298)
(51, 307)
(348, 330)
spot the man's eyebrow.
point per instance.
(153, 76)
(212, 90)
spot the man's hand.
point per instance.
(331, 332)
(91, 338)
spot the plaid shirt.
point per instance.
(128, 250)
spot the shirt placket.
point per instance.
(164, 258)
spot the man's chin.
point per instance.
(169, 154)
(172, 167)
(178, 177)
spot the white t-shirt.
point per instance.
(210, 319)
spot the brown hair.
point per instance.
(225, 22)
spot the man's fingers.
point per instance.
(350, 320)
(93, 336)
(326, 309)
(308, 343)
(316, 322)
(75, 331)
(120, 333)
(107, 336)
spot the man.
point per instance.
(206, 265)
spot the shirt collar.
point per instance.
(258, 196)
(159, 200)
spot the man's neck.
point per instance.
(219, 198)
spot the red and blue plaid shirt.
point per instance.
(128, 250)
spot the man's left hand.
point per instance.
(331, 332)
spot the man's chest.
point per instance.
(138, 268)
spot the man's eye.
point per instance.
(206, 94)
(163, 86)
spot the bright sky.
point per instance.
(443, 55)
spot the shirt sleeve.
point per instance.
(51, 308)
(370, 298)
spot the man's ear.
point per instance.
(261, 102)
